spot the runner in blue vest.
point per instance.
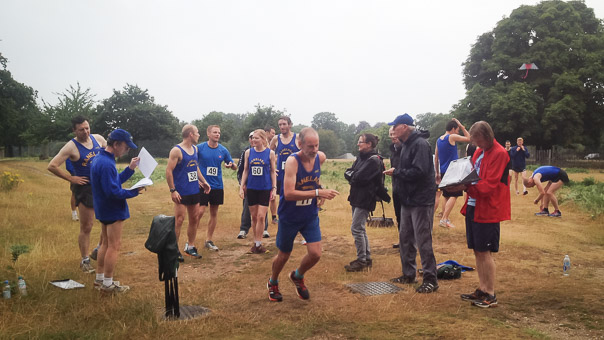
(301, 198)
(81, 150)
(211, 154)
(284, 144)
(555, 178)
(184, 179)
(110, 206)
(258, 184)
(444, 153)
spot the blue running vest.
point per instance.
(303, 210)
(185, 173)
(547, 172)
(446, 153)
(259, 170)
(82, 165)
(283, 151)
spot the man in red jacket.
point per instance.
(487, 204)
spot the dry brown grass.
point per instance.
(535, 300)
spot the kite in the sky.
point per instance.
(528, 67)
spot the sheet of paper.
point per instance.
(147, 163)
(142, 183)
(67, 284)
(460, 171)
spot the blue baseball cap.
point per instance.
(403, 119)
(124, 136)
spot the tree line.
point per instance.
(561, 103)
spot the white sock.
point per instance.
(85, 259)
(107, 281)
(100, 277)
(258, 243)
(190, 246)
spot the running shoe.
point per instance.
(275, 220)
(74, 216)
(476, 296)
(242, 234)
(486, 302)
(427, 287)
(556, 213)
(301, 290)
(303, 242)
(543, 212)
(99, 283)
(115, 288)
(180, 258)
(193, 253)
(404, 280)
(273, 292)
(446, 224)
(210, 245)
(525, 193)
(396, 245)
(86, 267)
(258, 250)
(95, 253)
(265, 234)
(356, 266)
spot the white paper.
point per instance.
(67, 284)
(460, 171)
(142, 183)
(147, 163)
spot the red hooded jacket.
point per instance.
(492, 196)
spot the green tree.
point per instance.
(55, 123)
(134, 110)
(329, 143)
(561, 103)
(435, 123)
(18, 110)
(325, 121)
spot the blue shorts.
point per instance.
(286, 234)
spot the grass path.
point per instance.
(535, 300)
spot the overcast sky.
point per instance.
(362, 60)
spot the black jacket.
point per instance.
(365, 177)
(415, 184)
(240, 165)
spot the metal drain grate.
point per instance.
(374, 288)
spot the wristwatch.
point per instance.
(172, 190)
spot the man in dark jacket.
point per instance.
(416, 188)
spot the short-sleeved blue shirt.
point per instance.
(210, 160)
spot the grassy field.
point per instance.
(536, 301)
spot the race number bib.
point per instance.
(283, 165)
(256, 171)
(192, 176)
(304, 203)
(212, 171)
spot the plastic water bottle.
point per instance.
(6, 290)
(566, 266)
(22, 286)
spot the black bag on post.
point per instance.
(162, 241)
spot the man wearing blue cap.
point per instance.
(415, 188)
(110, 206)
